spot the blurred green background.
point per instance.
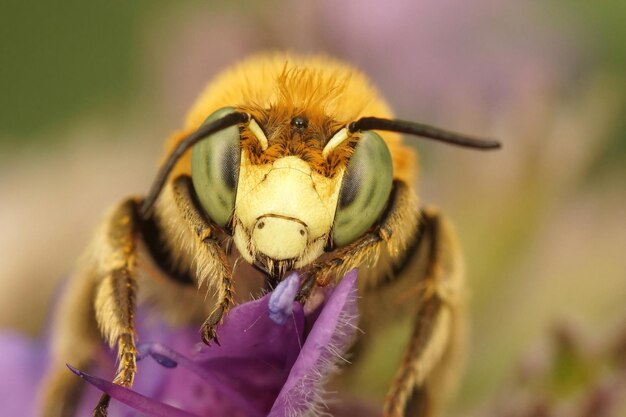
(89, 91)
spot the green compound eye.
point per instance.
(215, 170)
(365, 189)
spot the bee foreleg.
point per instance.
(408, 395)
(417, 386)
(115, 294)
(213, 268)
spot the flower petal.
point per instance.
(329, 337)
(170, 359)
(134, 399)
(260, 367)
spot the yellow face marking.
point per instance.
(283, 210)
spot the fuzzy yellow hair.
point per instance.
(287, 83)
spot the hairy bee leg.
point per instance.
(210, 250)
(116, 293)
(87, 312)
(425, 348)
(437, 288)
(126, 349)
(435, 328)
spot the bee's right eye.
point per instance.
(215, 170)
(365, 189)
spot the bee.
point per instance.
(284, 163)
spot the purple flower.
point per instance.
(273, 359)
(21, 365)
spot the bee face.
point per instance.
(288, 199)
(288, 195)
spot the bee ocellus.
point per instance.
(284, 163)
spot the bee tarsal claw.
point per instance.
(209, 327)
(209, 335)
(306, 288)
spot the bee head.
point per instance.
(288, 187)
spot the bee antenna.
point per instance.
(425, 131)
(227, 121)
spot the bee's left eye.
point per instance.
(215, 170)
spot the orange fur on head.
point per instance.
(275, 87)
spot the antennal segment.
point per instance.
(335, 141)
(425, 131)
(227, 121)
